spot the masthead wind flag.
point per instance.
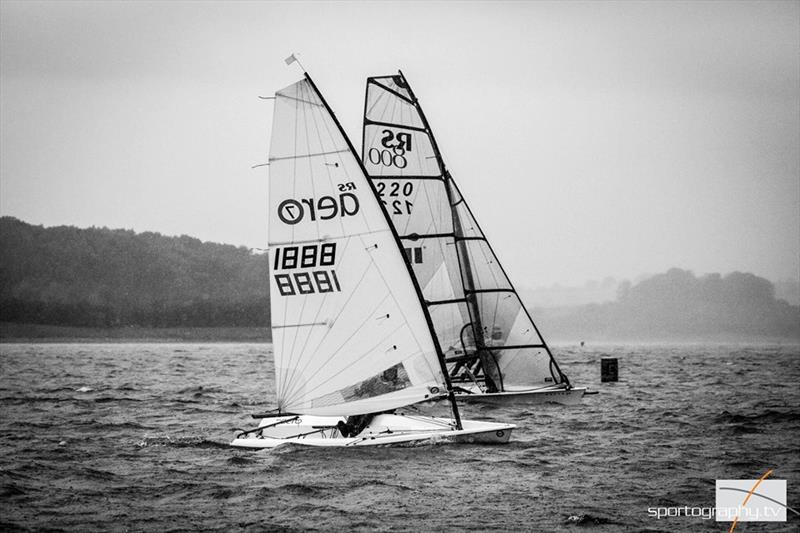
(291, 59)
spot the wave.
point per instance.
(109, 399)
(21, 400)
(180, 442)
(199, 390)
(588, 520)
(240, 460)
(770, 416)
(9, 490)
(96, 474)
(375, 483)
(300, 489)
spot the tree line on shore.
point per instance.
(679, 305)
(98, 277)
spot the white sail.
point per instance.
(477, 314)
(349, 333)
(399, 156)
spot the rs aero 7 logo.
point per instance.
(345, 204)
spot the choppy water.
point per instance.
(134, 437)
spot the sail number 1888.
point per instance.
(311, 256)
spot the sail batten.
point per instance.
(398, 177)
(301, 156)
(393, 125)
(489, 331)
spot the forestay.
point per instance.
(349, 333)
(478, 317)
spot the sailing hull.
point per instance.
(528, 397)
(383, 430)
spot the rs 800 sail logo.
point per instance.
(393, 154)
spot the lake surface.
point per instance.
(98, 437)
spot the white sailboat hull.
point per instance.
(529, 397)
(383, 430)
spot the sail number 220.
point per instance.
(397, 203)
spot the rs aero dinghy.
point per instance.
(493, 350)
(351, 336)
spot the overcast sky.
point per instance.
(591, 139)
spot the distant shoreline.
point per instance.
(11, 333)
(39, 333)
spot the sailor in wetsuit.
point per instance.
(388, 381)
(354, 425)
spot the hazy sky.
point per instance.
(591, 139)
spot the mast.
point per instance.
(487, 359)
(418, 290)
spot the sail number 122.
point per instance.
(394, 190)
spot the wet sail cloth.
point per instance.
(349, 334)
(483, 328)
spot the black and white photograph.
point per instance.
(361, 265)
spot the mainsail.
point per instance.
(482, 326)
(349, 333)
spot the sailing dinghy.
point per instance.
(493, 350)
(351, 338)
